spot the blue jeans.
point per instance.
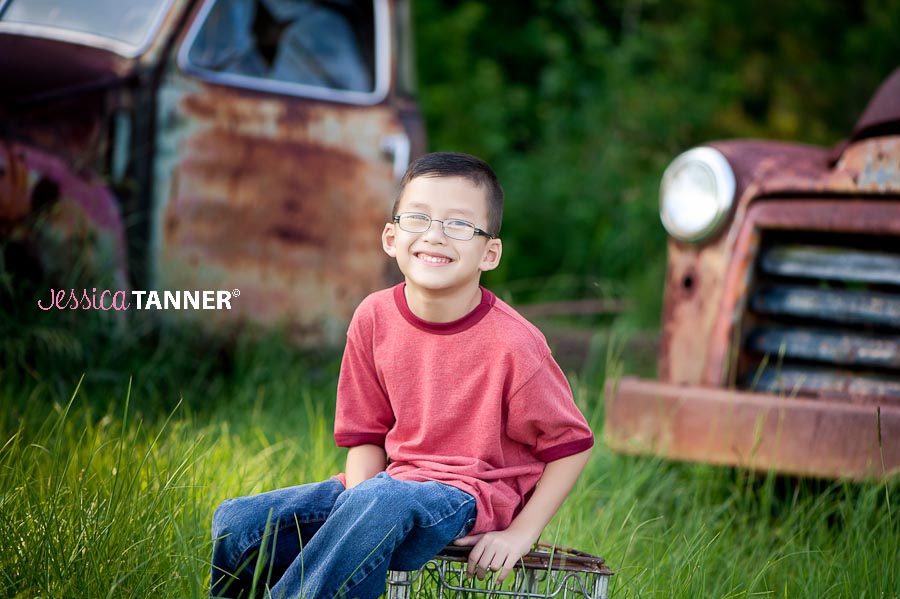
(321, 541)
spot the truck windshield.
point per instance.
(128, 22)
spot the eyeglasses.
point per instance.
(414, 222)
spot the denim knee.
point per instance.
(234, 518)
(222, 518)
(228, 530)
(370, 504)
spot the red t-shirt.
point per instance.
(478, 403)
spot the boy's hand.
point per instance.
(495, 552)
(499, 551)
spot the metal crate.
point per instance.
(546, 572)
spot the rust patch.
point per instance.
(285, 204)
(694, 288)
(238, 111)
(289, 235)
(874, 164)
(772, 168)
(14, 203)
(237, 194)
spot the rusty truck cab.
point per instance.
(780, 341)
(247, 145)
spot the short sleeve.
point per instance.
(543, 415)
(363, 414)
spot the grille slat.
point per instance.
(832, 263)
(830, 305)
(828, 346)
(854, 386)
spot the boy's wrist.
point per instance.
(525, 530)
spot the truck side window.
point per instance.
(319, 43)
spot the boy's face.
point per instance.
(431, 260)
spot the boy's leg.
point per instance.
(350, 554)
(421, 546)
(272, 520)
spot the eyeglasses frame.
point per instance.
(482, 232)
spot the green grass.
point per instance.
(108, 482)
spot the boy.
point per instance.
(451, 408)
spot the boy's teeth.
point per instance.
(433, 258)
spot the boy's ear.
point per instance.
(389, 240)
(491, 257)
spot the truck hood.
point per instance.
(32, 69)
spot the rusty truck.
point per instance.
(780, 336)
(247, 145)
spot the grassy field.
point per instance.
(112, 459)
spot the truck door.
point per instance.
(279, 139)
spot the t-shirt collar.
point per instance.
(444, 328)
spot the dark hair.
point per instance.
(457, 164)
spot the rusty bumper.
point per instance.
(808, 437)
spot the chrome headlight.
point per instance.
(696, 193)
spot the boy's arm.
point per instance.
(499, 551)
(364, 462)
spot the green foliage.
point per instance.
(580, 105)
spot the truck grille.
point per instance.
(823, 318)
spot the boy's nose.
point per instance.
(435, 232)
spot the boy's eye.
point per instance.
(457, 224)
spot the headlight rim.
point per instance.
(726, 188)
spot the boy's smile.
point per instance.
(432, 259)
(437, 267)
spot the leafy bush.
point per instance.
(580, 105)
